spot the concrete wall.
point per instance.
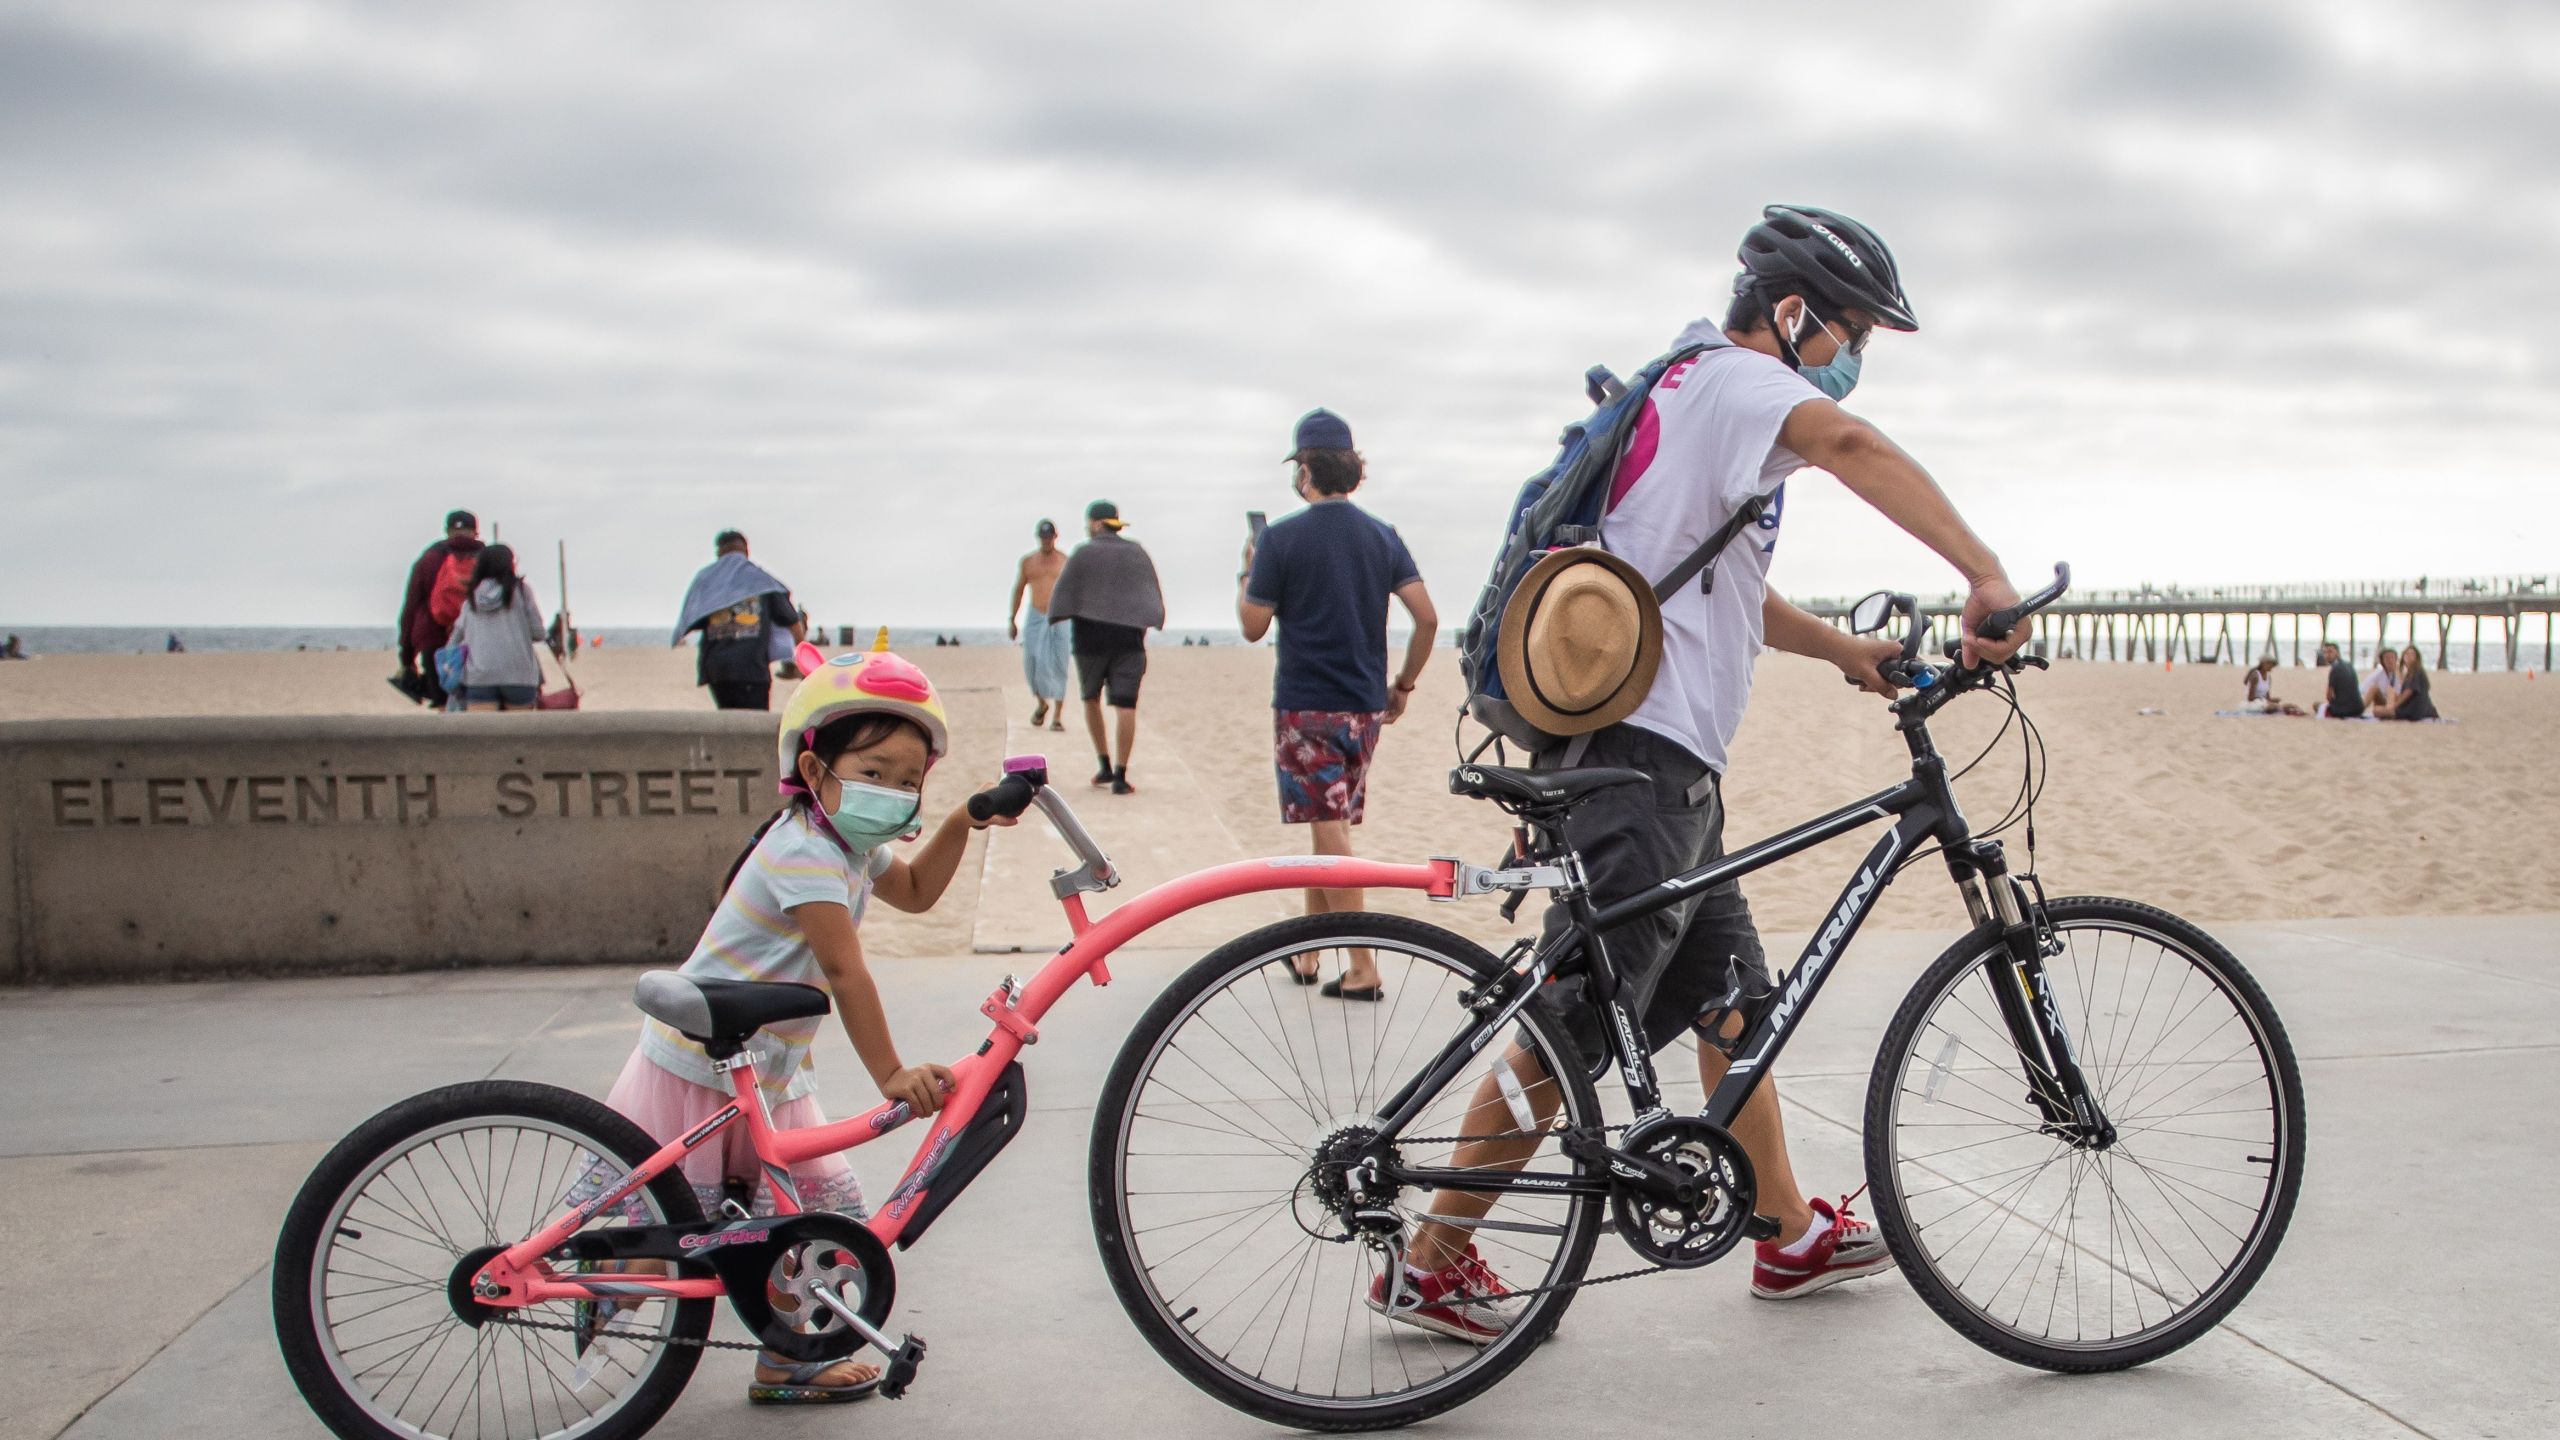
(164, 847)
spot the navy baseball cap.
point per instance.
(1321, 430)
(461, 520)
(1045, 530)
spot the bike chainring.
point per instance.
(1697, 1228)
(773, 1283)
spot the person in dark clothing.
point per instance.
(1325, 575)
(2414, 702)
(426, 620)
(2346, 692)
(748, 610)
(1110, 593)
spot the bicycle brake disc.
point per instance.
(1698, 1228)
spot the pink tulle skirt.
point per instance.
(667, 1105)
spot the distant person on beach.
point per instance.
(439, 586)
(497, 633)
(1109, 589)
(2382, 683)
(1044, 646)
(2258, 688)
(2346, 697)
(13, 650)
(2414, 701)
(176, 646)
(1325, 575)
(747, 623)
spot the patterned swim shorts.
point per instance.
(1322, 757)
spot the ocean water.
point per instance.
(148, 640)
(152, 640)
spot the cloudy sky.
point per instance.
(2209, 292)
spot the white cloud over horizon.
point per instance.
(2209, 293)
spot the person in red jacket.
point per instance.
(426, 617)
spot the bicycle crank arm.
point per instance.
(905, 1355)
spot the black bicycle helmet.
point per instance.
(1831, 255)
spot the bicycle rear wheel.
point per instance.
(1209, 1203)
(364, 1309)
(2075, 1259)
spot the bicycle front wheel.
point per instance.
(365, 1308)
(1221, 1227)
(2085, 1259)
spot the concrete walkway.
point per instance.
(155, 1134)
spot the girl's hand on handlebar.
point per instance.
(919, 1087)
(992, 821)
(1989, 594)
(1860, 660)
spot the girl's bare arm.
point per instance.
(915, 883)
(830, 931)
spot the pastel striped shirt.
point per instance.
(752, 936)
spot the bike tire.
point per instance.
(309, 1227)
(1112, 1122)
(2071, 918)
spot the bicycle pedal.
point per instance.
(902, 1368)
(1761, 1227)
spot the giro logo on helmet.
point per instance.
(1840, 245)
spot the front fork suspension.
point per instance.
(2056, 1085)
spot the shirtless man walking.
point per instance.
(1044, 645)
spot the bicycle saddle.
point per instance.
(722, 1012)
(1517, 789)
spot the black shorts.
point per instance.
(1119, 673)
(742, 694)
(1682, 962)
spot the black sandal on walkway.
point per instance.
(1336, 990)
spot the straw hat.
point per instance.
(1581, 639)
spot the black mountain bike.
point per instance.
(2083, 1128)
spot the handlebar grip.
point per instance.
(1998, 624)
(1009, 797)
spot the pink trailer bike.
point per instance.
(2083, 1134)
(504, 1259)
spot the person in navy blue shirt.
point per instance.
(1325, 574)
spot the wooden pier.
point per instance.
(2239, 624)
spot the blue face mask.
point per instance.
(869, 816)
(1836, 379)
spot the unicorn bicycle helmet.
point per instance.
(863, 683)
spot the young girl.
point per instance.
(499, 626)
(857, 737)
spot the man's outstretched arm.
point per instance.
(1879, 472)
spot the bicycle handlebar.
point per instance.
(1999, 623)
(1008, 797)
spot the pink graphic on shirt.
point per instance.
(1647, 439)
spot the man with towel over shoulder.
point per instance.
(1109, 591)
(747, 623)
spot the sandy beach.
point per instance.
(2217, 818)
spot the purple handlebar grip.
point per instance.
(1020, 764)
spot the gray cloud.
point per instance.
(298, 278)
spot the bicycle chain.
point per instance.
(635, 1336)
(1523, 1134)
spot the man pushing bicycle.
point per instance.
(1720, 430)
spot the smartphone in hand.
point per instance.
(1255, 522)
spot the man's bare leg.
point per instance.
(1502, 1147)
(1762, 1129)
(1093, 724)
(1333, 837)
(1128, 726)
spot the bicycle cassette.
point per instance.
(1693, 1229)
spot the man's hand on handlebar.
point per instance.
(1861, 657)
(1990, 594)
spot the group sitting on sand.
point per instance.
(2395, 689)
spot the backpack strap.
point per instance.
(1702, 561)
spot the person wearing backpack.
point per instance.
(1744, 404)
(439, 586)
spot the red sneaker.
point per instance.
(1848, 1248)
(1461, 1301)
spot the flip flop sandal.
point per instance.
(1336, 990)
(1304, 977)
(795, 1387)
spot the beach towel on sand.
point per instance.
(723, 583)
(1109, 579)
